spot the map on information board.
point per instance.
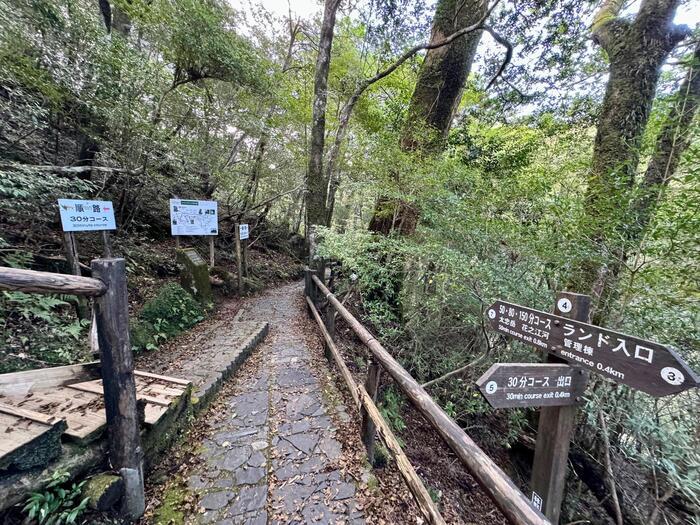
(191, 217)
(85, 216)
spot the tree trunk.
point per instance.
(316, 183)
(636, 49)
(435, 99)
(443, 75)
(672, 142)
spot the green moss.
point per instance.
(170, 312)
(169, 512)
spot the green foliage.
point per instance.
(390, 408)
(195, 38)
(56, 505)
(38, 330)
(170, 312)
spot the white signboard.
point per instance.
(191, 217)
(85, 216)
(243, 231)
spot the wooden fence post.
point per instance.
(211, 251)
(556, 427)
(368, 428)
(239, 258)
(310, 287)
(125, 453)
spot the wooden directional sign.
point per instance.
(644, 365)
(509, 385)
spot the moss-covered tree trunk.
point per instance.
(636, 49)
(435, 99)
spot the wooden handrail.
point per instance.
(15, 279)
(363, 399)
(514, 505)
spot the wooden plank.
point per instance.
(555, 428)
(168, 379)
(28, 414)
(153, 413)
(163, 390)
(97, 388)
(83, 411)
(17, 432)
(497, 485)
(18, 384)
(14, 279)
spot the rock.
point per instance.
(216, 500)
(103, 491)
(194, 275)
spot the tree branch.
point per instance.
(509, 53)
(68, 170)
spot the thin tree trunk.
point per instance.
(316, 183)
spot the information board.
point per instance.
(510, 385)
(82, 215)
(644, 365)
(244, 232)
(193, 217)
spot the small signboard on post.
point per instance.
(193, 217)
(519, 385)
(647, 366)
(85, 216)
(244, 231)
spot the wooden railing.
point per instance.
(514, 505)
(108, 287)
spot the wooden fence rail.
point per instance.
(498, 486)
(18, 280)
(365, 403)
(117, 367)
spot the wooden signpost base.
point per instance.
(555, 428)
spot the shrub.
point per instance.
(170, 312)
(56, 505)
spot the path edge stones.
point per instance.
(207, 391)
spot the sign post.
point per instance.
(79, 215)
(556, 426)
(239, 258)
(194, 217)
(565, 336)
(520, 385)
(244, 230)
(644, 365)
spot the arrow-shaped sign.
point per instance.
(509, 385)
(644, 365)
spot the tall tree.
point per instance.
(443, 75)
(636, 49)
(316, 182)
(435, 99)
(671, 143)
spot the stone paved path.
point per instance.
(272, 456)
